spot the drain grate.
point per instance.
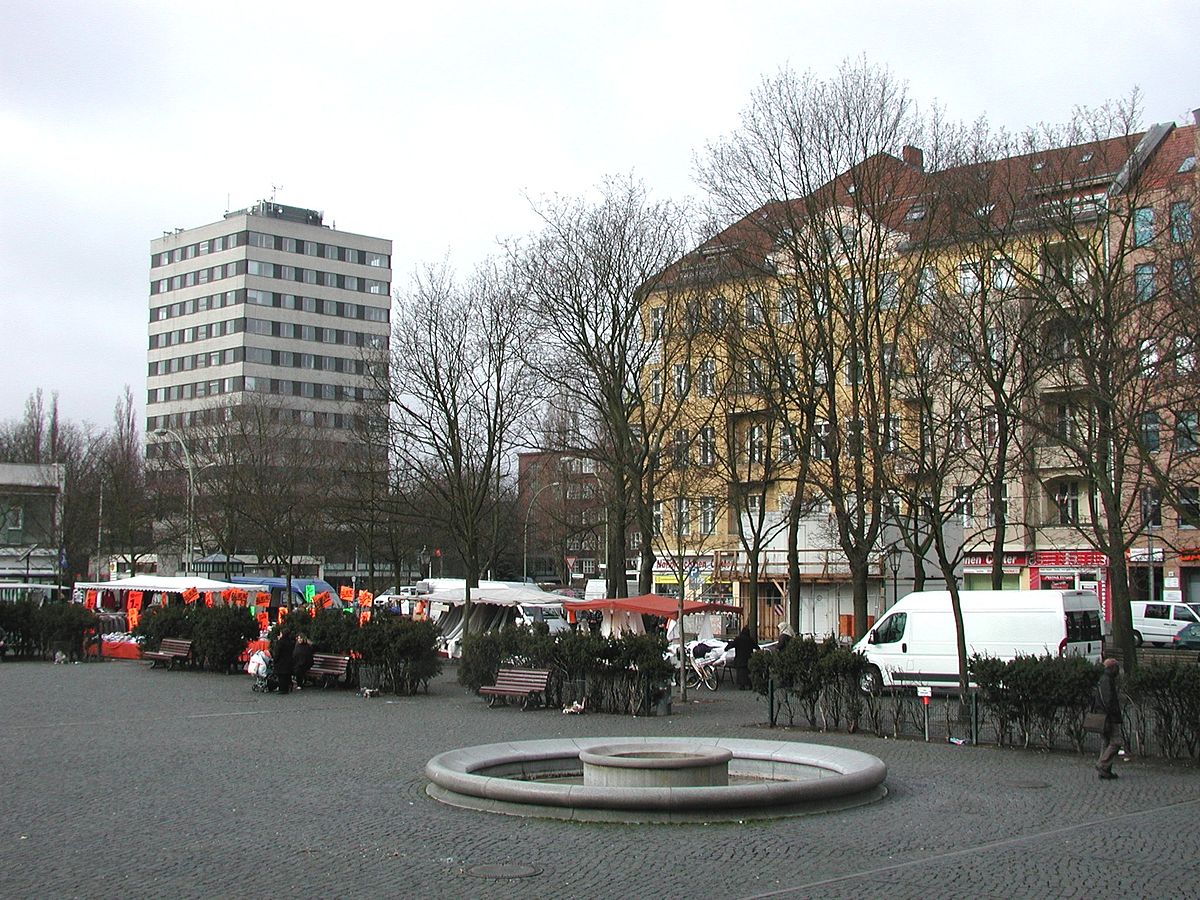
(503, 870)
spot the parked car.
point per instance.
(1188, 638)
(1157, 623)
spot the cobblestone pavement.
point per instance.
(119, 781)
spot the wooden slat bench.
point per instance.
(528, 684)
(329, 668)
(169, 652)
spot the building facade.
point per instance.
(268, 301)
(1000, 356)
(31, 515)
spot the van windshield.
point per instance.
(891, 629)
(1083, 626)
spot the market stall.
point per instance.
(624, 614)
(119, 604)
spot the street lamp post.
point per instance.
(893, 561)
(525, 539)
(191, 497)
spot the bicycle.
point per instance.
(702, 672)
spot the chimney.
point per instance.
(913, 156)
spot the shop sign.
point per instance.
(984, 560)
(1077, 558)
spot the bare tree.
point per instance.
(596, 273)
(1086, 260)
(817, 195)
(460, 395)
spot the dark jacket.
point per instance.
(742, 645)
(302, 658)
(1108, 697)
(285, 649)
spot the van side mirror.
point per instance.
(872, 639)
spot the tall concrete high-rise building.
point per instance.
(267, 304)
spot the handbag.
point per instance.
(1094, 722)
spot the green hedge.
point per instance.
(819, 681)
(616, 675)
(36, 632)
(218, 633)
(404, 650)
(1170, 695)
(1035, 699)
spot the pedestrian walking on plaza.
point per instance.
(285, 649)
(1108, 701)
(742, 646)
(785, 635)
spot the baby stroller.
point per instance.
(263, 670)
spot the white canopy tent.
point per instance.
(162, 584)
(493, 606)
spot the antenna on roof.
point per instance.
(274, 188)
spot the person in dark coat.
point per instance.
(742, 646)
(285, 649)
(302, 660)
(1109, 702)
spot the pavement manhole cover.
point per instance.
(503, 870)
(1029, 784)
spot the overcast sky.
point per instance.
(429, 123)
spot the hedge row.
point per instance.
(1031, 701)
(616, 675)
(36, 632)
(400, 652)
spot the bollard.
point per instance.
(771, 700)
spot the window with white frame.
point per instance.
(658, 517)
(754, 505)
(756, 444)
(963, 512)
(820, 372)
(656, 387)
(1066, 499)
(1185, 355)
(788, 306)
(680, 448)
(853, 373)
(1187, 435)
(889, 290)
(708, 515)
(1189, 506)
(889, 428)
(754, 309)
(822, 445)
(683, 517)
(681, 380)
(707, 375)
(787, 449)
(927, 284)
(656, 322)
(998, 507)
(708, 445)
(1148, 355)
(1002, 274)
(968, 278)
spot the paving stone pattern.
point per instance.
(124, 782)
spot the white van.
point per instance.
(914, 643)
(1157, 623)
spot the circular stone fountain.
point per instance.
(655, 779)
